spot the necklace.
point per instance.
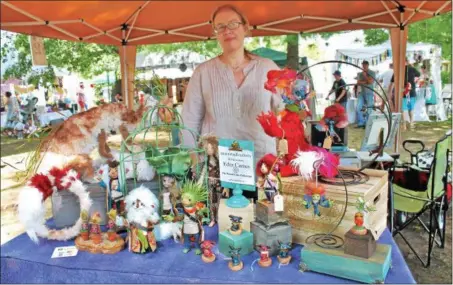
(237, 67)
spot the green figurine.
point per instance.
(192, 197)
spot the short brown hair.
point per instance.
(236, 10)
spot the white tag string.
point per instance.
(281, 264)
(251, 266)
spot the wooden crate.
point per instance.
(304, 223)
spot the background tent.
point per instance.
(280, 58)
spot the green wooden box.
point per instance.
(244, 241)
(335, 262)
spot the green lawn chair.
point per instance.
(414, 203)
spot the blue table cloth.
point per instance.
(23, 261)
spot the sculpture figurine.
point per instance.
(267, 180)
(210, 145)
(142, 214)
(95, 228)
(167, 196)
(192, 196)
(315, 196)
(208, 256)
(235, 264)
(283, 256)
(111, 225)
(359, 217)
(236, 225)
(85, 226)
(265, 260)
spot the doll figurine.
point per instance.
(265, 260)
(114, 185)
(85, 227)
(208, 256)
(167, 196)
(283, 255)
(111, 225)
(236, 225)
(95, 228)
(235, 264)
(267, 181)
(315, 196)
(359, 217)
(192, 196)
(210, 145)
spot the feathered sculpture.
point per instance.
(290, 128)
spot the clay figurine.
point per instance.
(167, 196)
(265, 260)
(208, 256)
(235, 264)
(236, 225)
(114, 186)
(192, 196)
(111, 225)
(267, 181)
(85, 227)
(315, 196)
(95, 228)
(283, 256)
(142, 214)
(362, 209)
(210, 145)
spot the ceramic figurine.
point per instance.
(236, 225)
(265, 260)
(235, 264)
(315, 196)
(283, 256)
(267, 181)
(95, 228)
(210, 145)
(111, 225)
(114, 186)
(142, 215)
(359, 217)
(208, 256)
(85, 227)
(192, 196)
(167, 196)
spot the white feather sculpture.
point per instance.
(304, 163)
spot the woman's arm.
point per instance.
(193, 110)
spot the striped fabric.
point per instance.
(213, 103)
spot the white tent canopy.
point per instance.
(381, 62)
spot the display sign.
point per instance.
(65, 251)
(237, 164)
(38, 53)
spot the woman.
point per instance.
(13, 110)
(226, 94)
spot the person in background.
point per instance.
(226, 94)
(366, 96)
(81, 99)
(408, 103)
(385, 79)
(340, 90)
(13, 110)
(118, 98)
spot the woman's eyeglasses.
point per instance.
(231, 26)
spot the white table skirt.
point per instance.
(46, 118)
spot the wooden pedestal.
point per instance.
(247, 214)
(266, 214)
(244, 241)
(361, 246)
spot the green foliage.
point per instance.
(445, 77)
(84, 59)
(436, 31)
(194, 191)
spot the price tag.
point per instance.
(327, 142)
(283, 147)
(278, 203)
(65, 251)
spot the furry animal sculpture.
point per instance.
(72, 142)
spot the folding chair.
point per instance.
(432, 199)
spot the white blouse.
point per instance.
(214, 104)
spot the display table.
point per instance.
(22, 261)
(46, 118)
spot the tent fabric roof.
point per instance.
(153, 22)
(280, 58)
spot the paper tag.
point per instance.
(278, 203)
(283, 147)
(327, 142)
(65, 251)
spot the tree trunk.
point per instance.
(292, 51)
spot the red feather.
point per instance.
(59, 173)
(43, 184)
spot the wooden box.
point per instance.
(247, 214)
(262, 234)
(304, 223)
(336, 263)
(362, 246)
(244, 241)
(266, 214)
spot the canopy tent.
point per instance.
(131, 23)
(280, 58)
(380, 54)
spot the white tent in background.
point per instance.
(428, 51)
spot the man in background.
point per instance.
(366, 96)
(340, 90)
(385, 80)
